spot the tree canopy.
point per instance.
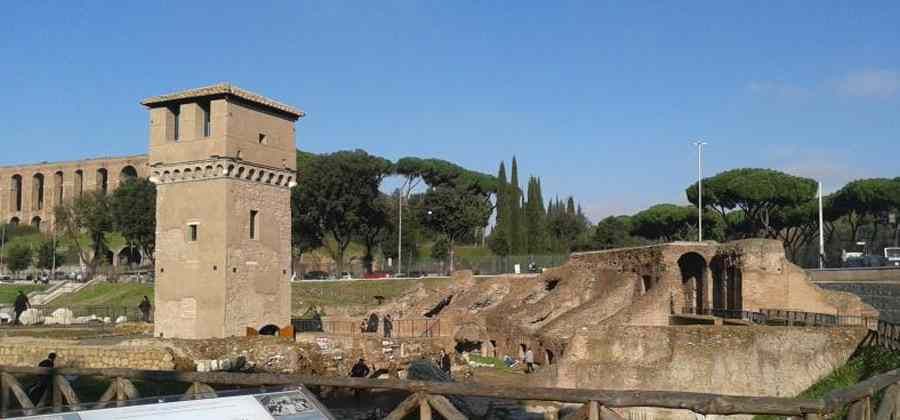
(133, 210)
(664, 221)
(756, 192)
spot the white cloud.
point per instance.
(871, 83)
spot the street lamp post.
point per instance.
(700, 145)
(399, 231)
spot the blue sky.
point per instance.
(601, 100)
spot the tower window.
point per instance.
(207, 129)
(263, 139)
(193, 233)
(254, 219)
(176, 112)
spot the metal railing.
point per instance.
(424, 397)
(401, 328)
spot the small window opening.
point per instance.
(207, 129)
(263, 139)
(193, 233)
(253, 221)
(176, 112)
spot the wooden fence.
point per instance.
(428, 396)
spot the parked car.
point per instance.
(315, 275)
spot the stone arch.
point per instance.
(240, 172)
(727, 287)
(176, 175)
(58, 186)
(260, 175)
(37, 191)
(103, 180)
(280, 179)
(250, 173)
(646, 284)
(127, 172)
(166, 176)
(15, 198)
(269, 330)
(130, 255)
(187, 173)
(209, 170)
(14, 221)
(36, 222)
(78, 183)
(693, 269)
(220, 170)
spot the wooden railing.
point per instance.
(428, 396)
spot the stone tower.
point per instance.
(223, 160)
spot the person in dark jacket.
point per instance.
(145, 307)
(388, 326)
(360, 369)
(445, 362)
(20, 305)
(38, 389)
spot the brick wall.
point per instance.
(80, 356)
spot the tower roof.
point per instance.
(220, 89)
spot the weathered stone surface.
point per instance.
(31, 317)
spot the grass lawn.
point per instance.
(113, 294)
(8, 292)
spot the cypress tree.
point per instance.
(535, 218)
(500, 238)
(516, 233)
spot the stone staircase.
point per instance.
(60, 289)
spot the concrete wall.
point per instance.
(754, 361)
(859, 274)
(883, 296)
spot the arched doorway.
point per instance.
(726, 276)
(14, 222)
(15, 189)
(102, 181)
(269, 330)
(36, 222)
(129, 256)
(693, 274)
(37, 191)
(127, 173)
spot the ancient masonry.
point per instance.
(28, 193)
(224, 160)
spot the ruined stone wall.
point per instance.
(61, 181)
(29, 354)
(757, 361)
(339, 353)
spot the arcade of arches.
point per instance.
(715, 286)
(29, 193)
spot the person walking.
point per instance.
(445, 362)
(20, 305)
(37, 391)
(388, 326)
(145, 307)
(529, 361)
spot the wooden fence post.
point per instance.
(424, 408)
